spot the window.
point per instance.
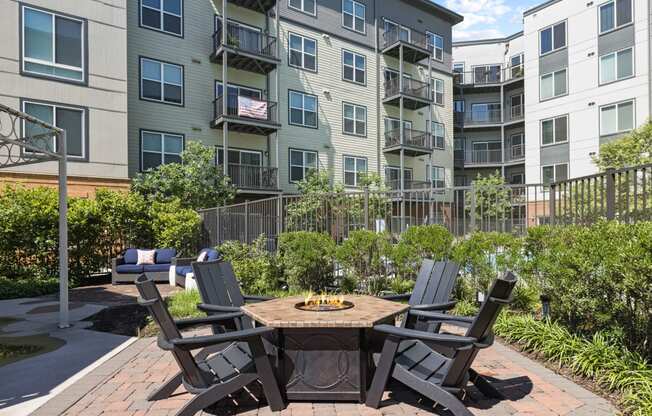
(354, 67)
(157, 148)
(306, 6)
(393, 175)
(486, 74)
(438, 91)
(236, 91)
(161, 81)
(485, 112)
(517, 150)
(552, 38)
(516, 67)
(354, 170)
(70, 119)
(240, 157)
(53, 45)
(554, 84)
(616, 66)
(516, 105)
(303, 109)
(438, 135)
(301, 163)
(436, 44)
(458, 72)
(617, 118)
(394, 32)
(355, 119)
(458, 106)
(162, 15)
(353, 15)
(438, 177)
(303, 52)
(554, 173)
(615, 14)
(554, 130)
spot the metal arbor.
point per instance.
(26, 140)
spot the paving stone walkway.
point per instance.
(119, 388)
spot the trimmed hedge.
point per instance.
(24, 288)
(306, 259)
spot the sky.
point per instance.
(485, 19)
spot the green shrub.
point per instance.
(401, 286)
(175, 227)
(254, 266)
(418, 243)
(184, 304)
(27, 288)
(306, 259)
(362, 255)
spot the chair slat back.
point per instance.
(149, 293)
(421, 284)
(435, 282)
(482, 326)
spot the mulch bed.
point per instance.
(129, 320)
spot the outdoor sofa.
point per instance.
(181, 273)
(125, 268)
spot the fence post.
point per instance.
(279, 215)
(611, 194)
(552, 202)
(366, 207)
(246, 221)
(473, 207)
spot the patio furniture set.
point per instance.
(344, 351)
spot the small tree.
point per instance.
(631, 150)
(197, 182)
(492, 198)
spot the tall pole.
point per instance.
(431, 144)
(63, 232)
(277, 92)
(225, 89)
(402, 133)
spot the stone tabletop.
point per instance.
(281, 313)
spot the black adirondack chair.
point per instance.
(407, 358)
(220, 290)
(242, 362)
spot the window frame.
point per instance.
(355, 120)
(554, 171)
(616, 27)
(552, 27)
(398, 169)
(84, 49)
(162, 100)
(461, 75)
(162, 133)
(355, 171)
(85, 142)
(302, 9)
(434, 45)
(161, 30)
(554, 130)
(552, 74)
(303, 53)
(432, 134)
(353, 16)
(355, 54)
(220, 148)
(616, 105)
(438, 81)
(303, 158)
(303, 101)
(442, 180)
(615, 53)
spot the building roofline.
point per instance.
(452, 17)
(488, 41)
(539, 7)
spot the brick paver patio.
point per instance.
(120, 386)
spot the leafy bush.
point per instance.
(362, 255)
(306, 259)
(27, 288)
(175, 226)
(419, 242)
(184, 304)
(400, 286)
(254, 266)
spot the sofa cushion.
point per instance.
(183, 270)
(211, 254)
(129, 268)
(131, 256)
(156, 267)
(165, 255)
(146, 256)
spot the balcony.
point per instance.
(415, 94)
(415, 45)
(262, 6)
(247, 49)
(253, 177)
(515, 153)
(516, 112)
(395, 185)
(488, 76)
(478, 118)
(246, 115)
(415, 142)
(475, 158)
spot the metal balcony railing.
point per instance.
(411, 87)
(516, 112)
(478, 157)
(478, 117)
(411, 138)
(246, 39)
(395, 184)
(515, 152)
(480, 76)
(246, 108)
(414, 38)
(253, 176)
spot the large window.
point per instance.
(354, 67)
(438, 91)
(353, 15)
(301, 163)
(616, 66)
(306, 6)
(554, 130)
(554, 173)
(554, 84)
(438, 177)
(486, 74)
(303, 52)
(552, 38)
(438, 135)
(516, 65)
(436, 44)
(161, 81)
(355, 168)
(617, 118)
(303, 109)
(158, 148)
(53, 45)
(70, 119)
(162, 15)
(393, 175)
(354, 119)
(614, 14)
(458, 72)
(240, 157)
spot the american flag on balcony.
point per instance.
(251, 107)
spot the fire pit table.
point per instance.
(325, 355)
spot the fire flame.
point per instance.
(323, 299)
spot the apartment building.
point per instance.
(345, 86)
(585, 78)
(66, 63)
